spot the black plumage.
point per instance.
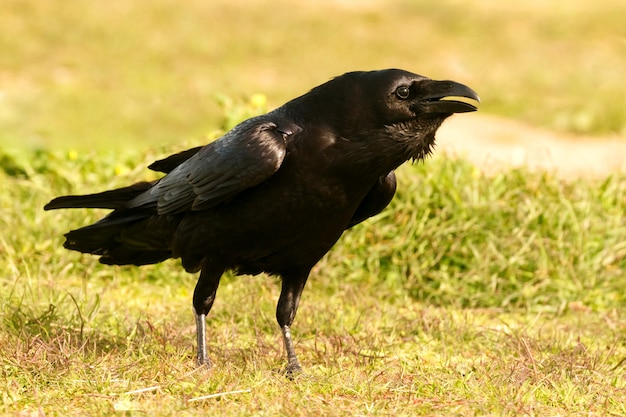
(276, 192)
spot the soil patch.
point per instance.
(494, 143)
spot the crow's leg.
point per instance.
(203, 297)
(292, 287)
(202, 357)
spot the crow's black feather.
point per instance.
(275, 193)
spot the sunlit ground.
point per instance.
(118, 73)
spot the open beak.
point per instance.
(441, 97)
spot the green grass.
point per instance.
(87, 75)
(470, 295)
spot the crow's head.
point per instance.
(397, 96)
(409, 108)
(372, 99)
(397, 109)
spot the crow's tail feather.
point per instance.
(128, 239)
(127, 236)
(112, 199)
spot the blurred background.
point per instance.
(90, 75)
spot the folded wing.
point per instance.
(243, 158)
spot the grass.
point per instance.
(91, 75)
(471, 295)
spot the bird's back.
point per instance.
(290, 220)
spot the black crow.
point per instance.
(276, 192)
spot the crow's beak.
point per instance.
(439, 97)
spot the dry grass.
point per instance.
(484, 301)
(374, 358)
(472, 295)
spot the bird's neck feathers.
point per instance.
(416, 137)
(381, 150)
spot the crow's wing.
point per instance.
(168, 164)
(378, 197)
(244, 157)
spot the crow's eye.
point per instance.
(403, 92)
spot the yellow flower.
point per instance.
(72, 155)
(120, 169)
(258, 100)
